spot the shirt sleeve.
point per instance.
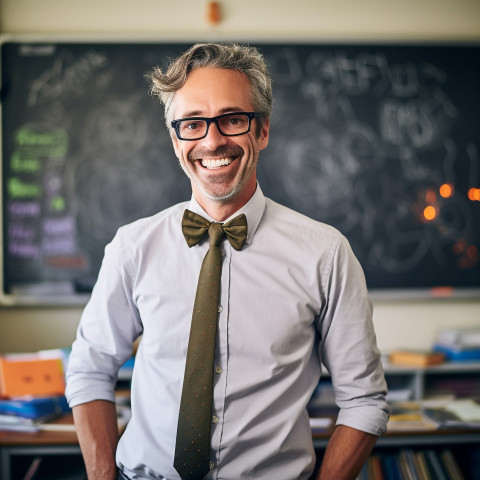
(108, 327)
(348, 346)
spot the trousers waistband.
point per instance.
(122, 476)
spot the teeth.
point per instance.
(216, 162)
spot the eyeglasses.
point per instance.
(229, 125)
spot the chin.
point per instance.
(221, 196)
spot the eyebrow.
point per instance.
(198, 113)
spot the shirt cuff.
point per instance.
(366, 418)
(84, 390)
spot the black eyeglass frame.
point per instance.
(250, 115)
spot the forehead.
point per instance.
(212, 91)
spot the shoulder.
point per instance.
(280, 217)
(166, 223)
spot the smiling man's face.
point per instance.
(221, 169)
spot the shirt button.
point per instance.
(215, 419)
(212, 465)
(219, 370)
(220, 309)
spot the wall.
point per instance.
(398, 323)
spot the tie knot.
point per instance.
(215, 234)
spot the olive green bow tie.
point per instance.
(195, 227)
(192, 446)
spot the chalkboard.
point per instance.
(380, 141)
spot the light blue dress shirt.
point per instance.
(294, 297)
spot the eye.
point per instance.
(192, 125)
(239, 120)
(234, 120)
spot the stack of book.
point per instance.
(459, 344)
(461, 413)
(32, 390)
(27, 414)
(409, 417)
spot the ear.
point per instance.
(176, 144)
(264, 134)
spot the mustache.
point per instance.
(220, 152)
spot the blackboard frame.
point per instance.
(404, 293)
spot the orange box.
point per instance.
(31, 377)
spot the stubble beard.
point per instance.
(216, 193)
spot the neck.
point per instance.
(221, 210)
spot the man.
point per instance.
(292, 297)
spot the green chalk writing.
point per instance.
(29, 165)
(53, 143)
(17, 188)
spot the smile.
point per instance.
(212, 163)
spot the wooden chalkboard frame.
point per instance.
(325, 80)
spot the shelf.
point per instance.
(421, 381)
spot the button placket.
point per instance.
(221, 357)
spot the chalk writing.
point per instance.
(24, 250)
(48, 143)
(23, 209)
(58, 226)
(21, 232)
(65, 77)
(17, 188)
(28, 165)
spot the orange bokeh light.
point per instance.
(446, 190)
(474, 194)
(429, 213)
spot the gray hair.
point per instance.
(244, 59)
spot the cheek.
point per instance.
(252, 146)
(181, 150)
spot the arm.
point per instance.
(346, 453)
(96, 425)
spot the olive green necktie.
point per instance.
(192, 449)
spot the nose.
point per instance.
(214, 138)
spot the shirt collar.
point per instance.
(253, 210)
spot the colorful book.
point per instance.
(390, 467)
(454, 354)
(423, 466)
(376, 467)
(407, 463)
(34, 408)
(26, 415)
(451, 465)
(416, 358)
(435, 465)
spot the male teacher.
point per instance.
(239, 302)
